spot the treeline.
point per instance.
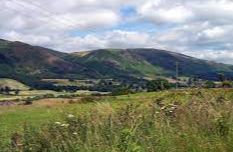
(7, 90)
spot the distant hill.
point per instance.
(151, 63)
(13, 84)
(25, 62)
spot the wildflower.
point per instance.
(64, 125)
(163, 108)
(140, 116)
(75, 133)
(70, 116)
(57, 123)
(157, 112)
(173, 108)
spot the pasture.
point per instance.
(182, 120)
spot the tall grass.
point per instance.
(203, 123)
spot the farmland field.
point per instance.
(13, 83)
(183, 120)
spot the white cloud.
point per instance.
(124, 39)
(32, 39)
(224, 56)
(152, 10)
(110, 39)
(215, 32)
(62, 15)
(195, 27)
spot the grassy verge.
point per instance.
(187, 120)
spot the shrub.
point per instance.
(28, 101)
(210, 84)
(157, 85)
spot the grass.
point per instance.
(24, 94)
(67, 82)
(184, 120)
(13, 84)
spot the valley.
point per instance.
(119, 99)
(116, 76)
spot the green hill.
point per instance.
(13, 84)
(117, 63)
(152, 63)
(29, 64)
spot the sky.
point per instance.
(198, 28)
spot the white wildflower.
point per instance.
(75, 133)
(64, 125)
(70, 116)
(57, 123)
(163, 108)
(173, 108)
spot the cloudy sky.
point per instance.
(200, 28)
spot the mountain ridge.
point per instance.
(24, 60)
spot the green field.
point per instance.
(13, 84)
(184, 120)
(23, 95)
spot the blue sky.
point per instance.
(197, 28)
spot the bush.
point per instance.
(210, 84)
(28, 101)
(227, 84)
(48, 96)
(157, 85)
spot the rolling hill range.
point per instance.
(25, 62)
(151, 63)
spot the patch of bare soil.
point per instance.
(7, 103)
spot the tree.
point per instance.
(1, 90)
(17, 92)
(190, 82)
(221, 77)
(71, 80)
(210, 84)
(7, 90)
(159, 84)
(226, 84)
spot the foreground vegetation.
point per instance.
(184, 120)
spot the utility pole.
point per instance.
(177, 74)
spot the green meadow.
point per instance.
(182, 120)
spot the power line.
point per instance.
(44, 14)
(49, 14)
(48, 11)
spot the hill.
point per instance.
(25, 62)
(29, 64)
(151, 63)
(37, 61)
(13, 84)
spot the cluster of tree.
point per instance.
(227, 84)
(149, 86)
(210, 84)
(223, 83)
(7, 90)
(158, 85)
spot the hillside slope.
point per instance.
(13, 84)
(22, 61)
(21, 58)
(152, 63)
